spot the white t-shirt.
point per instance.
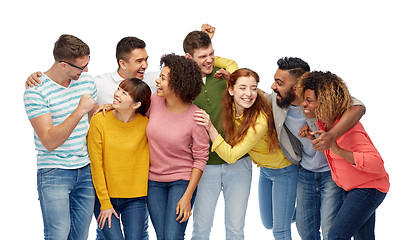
(107, 84)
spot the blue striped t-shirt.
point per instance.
(60, 102)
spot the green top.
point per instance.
(210, 100)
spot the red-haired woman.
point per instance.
(249, 129)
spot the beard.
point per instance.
(287, 99)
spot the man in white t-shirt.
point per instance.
(132, 62)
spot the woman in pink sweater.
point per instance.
(179, 147)
(355, 163)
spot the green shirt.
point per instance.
(210, 100)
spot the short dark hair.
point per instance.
(185, 78)
(139, 91)
(195, 40)
(126, 45)
(295, 66)
(69, 47)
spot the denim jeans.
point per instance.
(132, 212)
(162, 199)
(277, 195)
(100, 236)
(356, 216)
(234, 181)
(66, 199)
(318, 201)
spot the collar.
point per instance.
(116, 77)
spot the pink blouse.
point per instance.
(368, 171)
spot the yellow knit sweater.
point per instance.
(119, 157)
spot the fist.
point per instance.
(86, 103)
(209, 30)
(222, 74)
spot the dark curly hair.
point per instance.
(332, 94)
(185, 78)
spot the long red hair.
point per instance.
(233, 134)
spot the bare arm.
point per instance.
(184, 208)
(54, 136)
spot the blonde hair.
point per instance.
(332, 95)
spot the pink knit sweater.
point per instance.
(177, 144)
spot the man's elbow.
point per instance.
(360, 110)
(50, 147)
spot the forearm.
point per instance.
(213, 133)
(51, 136)
(349, 119)
(194, 180)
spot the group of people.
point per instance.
(173, 141)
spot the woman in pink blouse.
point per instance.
(355, 163)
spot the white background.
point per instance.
(367, 43)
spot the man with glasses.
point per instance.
(132, 61)
(59, 110)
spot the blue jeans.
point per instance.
(317, 203)
(162, 199)
(277, 195)
(100, 236)
(132, 212)
(356, 216)
(66, 200)
(234, 181)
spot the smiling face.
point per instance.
(162, 83)
(284, 86)
(122, 101)
(309, 103)
(205, 58)
(244, 93)
(136, 65)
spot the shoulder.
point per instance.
(142, 119)
(98, 117)
(262, 117)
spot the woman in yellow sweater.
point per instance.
(249, 128)
(119, 156)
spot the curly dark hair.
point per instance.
(295, 66)
(185, 78)
(332, 94)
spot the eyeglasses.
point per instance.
(71, 64)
